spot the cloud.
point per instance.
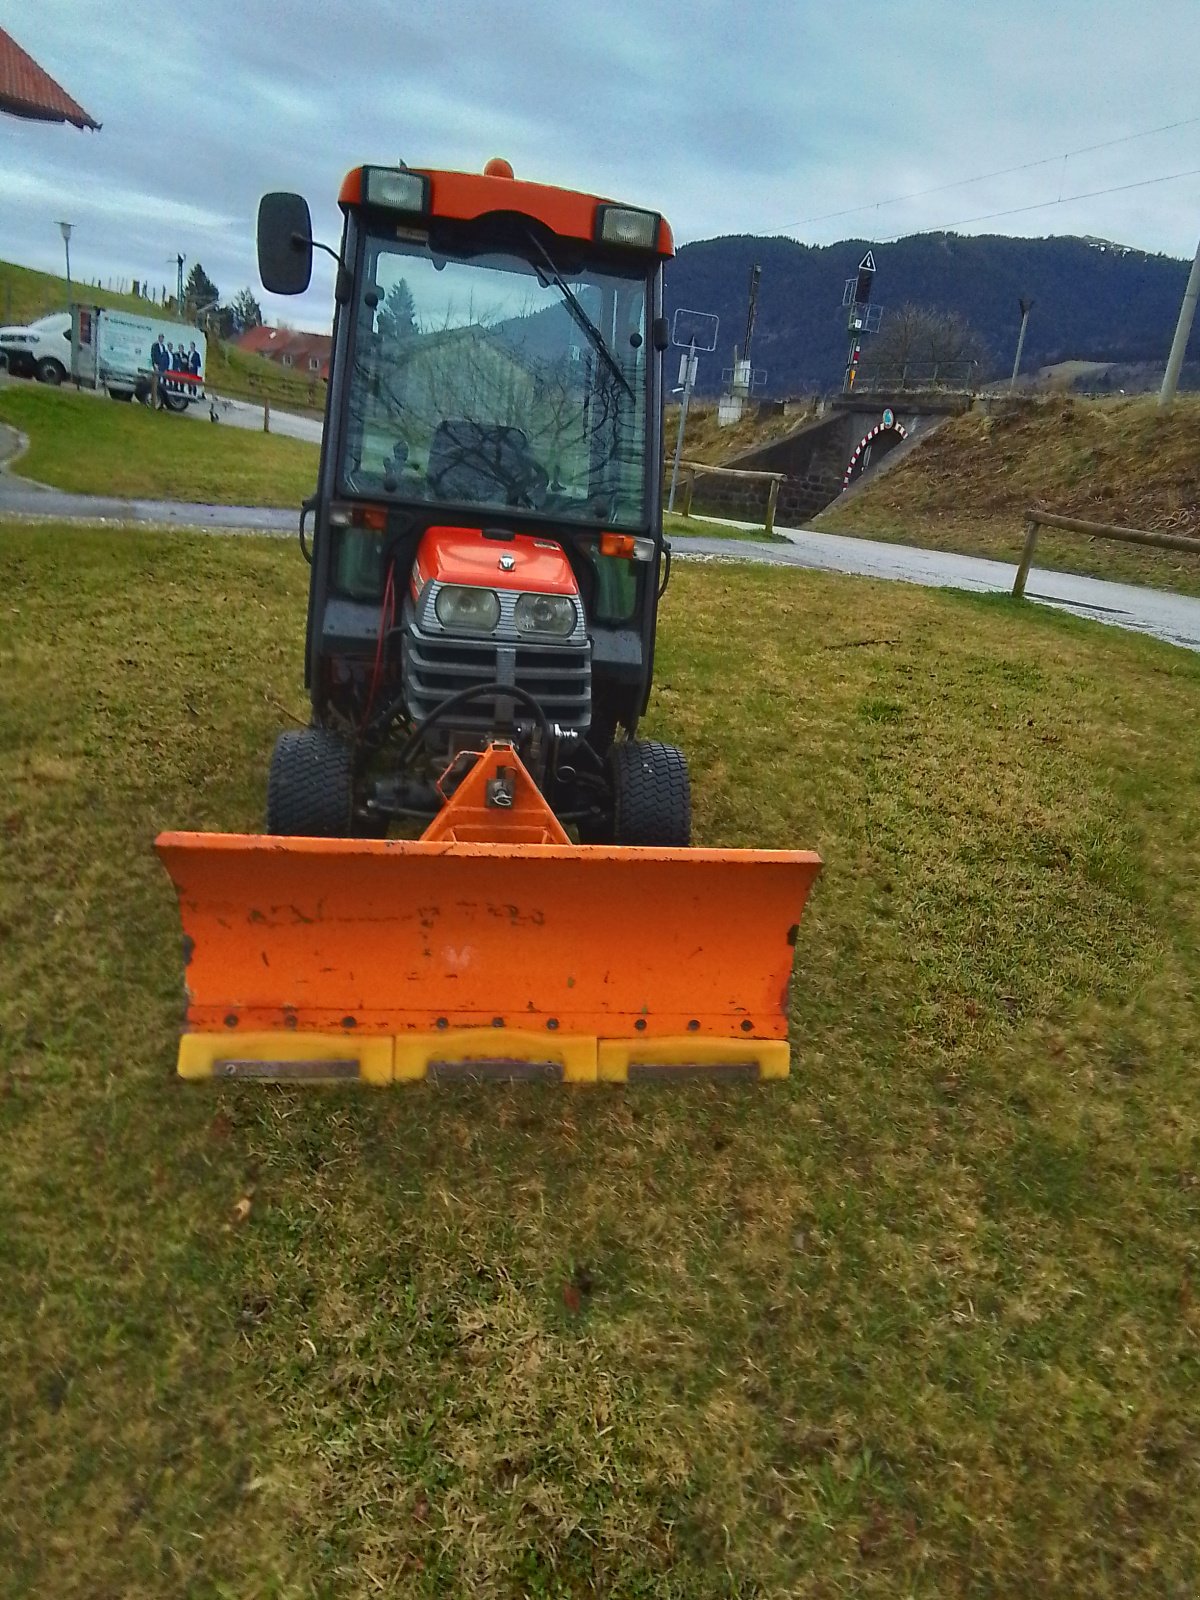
(760, 119)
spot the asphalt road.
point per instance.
(1175, 618)
(243, 414)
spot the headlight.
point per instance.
(623, 225)
(398, 190)
(545, 613)
(477, 610)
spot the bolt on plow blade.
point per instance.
(385, 960)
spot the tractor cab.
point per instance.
(488, 511)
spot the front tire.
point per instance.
(652, 797)
(50, 371)
(310, 790)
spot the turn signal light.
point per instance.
(624, 544)
(373, 517)
(616, 544)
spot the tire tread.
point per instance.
(310, 790)
(652, 799)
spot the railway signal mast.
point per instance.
(863, 317)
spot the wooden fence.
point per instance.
(1036, 519)
(700, 469)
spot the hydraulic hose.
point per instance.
(381, 725)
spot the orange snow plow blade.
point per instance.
(450, 958)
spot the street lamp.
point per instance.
(66, 233)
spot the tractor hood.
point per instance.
(528, 564)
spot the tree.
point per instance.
(398, 313)
(918, 348)
(200, 292)
(247, 313)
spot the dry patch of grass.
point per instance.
(90, 445)
(922, 1320)
(705, 439)
(967, 487)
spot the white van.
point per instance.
(111, 350)
(42, 350)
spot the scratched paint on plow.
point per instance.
(399, 936)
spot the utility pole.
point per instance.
(1026, 307)
(177, 262)
(1179, 343)
(751, 310)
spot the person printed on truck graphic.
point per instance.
(193, 365)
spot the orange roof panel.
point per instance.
(465, 196)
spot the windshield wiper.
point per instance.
(594, 337)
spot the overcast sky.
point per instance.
(761, 118)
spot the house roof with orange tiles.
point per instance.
(27, 90)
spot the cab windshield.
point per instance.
(498, 380)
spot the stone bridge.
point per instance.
(851, 435)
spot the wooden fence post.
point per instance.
(1031, 533)
(686, 509)
(772, 502)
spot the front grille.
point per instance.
(558, 676)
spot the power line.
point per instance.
(1001, 172)
(1040, 205)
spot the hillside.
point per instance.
(26, 294)
(1092, 301)
(706, 440)
(967, 487)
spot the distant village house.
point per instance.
(305, 354)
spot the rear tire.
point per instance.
(652, 797)
(310, 790)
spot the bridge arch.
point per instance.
(889, 434)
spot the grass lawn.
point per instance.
(968, 487)
(921, 1321)
(92, 445)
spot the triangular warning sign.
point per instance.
(867, 264)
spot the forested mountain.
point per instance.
(1093, 300)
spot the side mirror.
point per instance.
(284, 243)
(661, 333)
